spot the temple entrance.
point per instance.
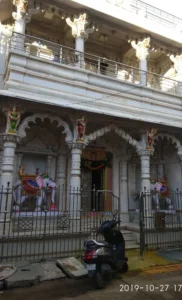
(96, 176)
(97, 185)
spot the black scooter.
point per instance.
(102, 259)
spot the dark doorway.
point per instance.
(97, 184)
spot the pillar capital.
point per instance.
(177, 60)
(144, 152)
(21, 6)
(142, 48)
(78, 26)
(6, 29)
(11, 138)
(77, 145)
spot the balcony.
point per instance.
(40, 70)
(151, 13)
(136, 13)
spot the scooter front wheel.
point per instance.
(100, 280)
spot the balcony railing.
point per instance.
(150, 12)
(63, 55)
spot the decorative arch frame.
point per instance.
(60, 123)
(174, 141)
(103, 131)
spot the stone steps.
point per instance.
(130, 240)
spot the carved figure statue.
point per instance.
(151, 133)
(13, 120)
(78, 26)
(21, 9)
(142, 48)
(33, 185)
(80, 128)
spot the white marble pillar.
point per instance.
(61, 178)
(20, 23)
(18, 164)
(9, 147)
(145, 170)
(5, 35)
(49, 165)
(1, 157)
(75, 180)
(116, 180)
(177, 60)
(80, 33)
(21, 17)
(124, 188)
(142, 53)
(133, 178)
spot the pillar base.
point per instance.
(124, 217)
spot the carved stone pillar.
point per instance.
(177, 60)
(142, 53)
(124, 188)
(75, 180)
(49, 165)
(20, 21)
(80, 33)
(146, 187)
(18, 164)
(145, 170)
(9, 146)
(1, 157)
(116, 179)
(133, 179)
(21, 17)
(61, 178)
(5, 35)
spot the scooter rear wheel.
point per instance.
(125, 267)
(100, 280)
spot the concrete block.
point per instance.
(72, 267)
(24, 277)
(7, 271)
(51, 272)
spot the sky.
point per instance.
(174, 7)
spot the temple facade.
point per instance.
(91, 97)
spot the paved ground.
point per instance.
(166, 286)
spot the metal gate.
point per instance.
(160, 221)
(29, 234)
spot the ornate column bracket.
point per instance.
(6, 30)
(142, 48)
(142, 53)
(11, 138)
(21, 9)
(30, 13)
(78, 26)
(177, 60)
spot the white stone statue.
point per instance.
(142, 48)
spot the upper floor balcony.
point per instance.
(47, 72)
(141, 14)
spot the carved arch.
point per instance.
(24, 125)
(103, 131)
(174, 141)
